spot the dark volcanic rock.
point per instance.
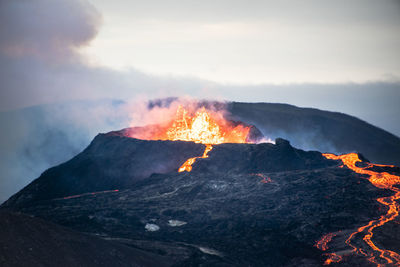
(265, 157)
(113, 162)
(27, 241)
(228, 219)
(109, 162)
(245, 205)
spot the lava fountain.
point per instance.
(201, 126)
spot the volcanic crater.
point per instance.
(240, 203)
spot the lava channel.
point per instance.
(382, 180)
(203, 127)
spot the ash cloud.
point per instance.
(53, 100)
(38, 48)
(41, 61)
(46, 29)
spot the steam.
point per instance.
(41, 63)
(37, 138)
(147, 112)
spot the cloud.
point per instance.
(263, 41)
(41, 62)
(46, 29)
(41, 59)
(39, 42)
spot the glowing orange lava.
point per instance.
(202, 127)
(332, 257)
(382, 180)
(187, 166)
(322, 244)
(265, 179)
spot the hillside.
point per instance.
(29, 241)
(246, 204)
(37, 138)
(315, 129)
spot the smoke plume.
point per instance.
(54, 100)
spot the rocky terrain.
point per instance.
(28, 241)
(245, 205)
(37, 138)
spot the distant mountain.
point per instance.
(310, 128)
(315, 129)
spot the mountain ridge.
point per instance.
(246, 204)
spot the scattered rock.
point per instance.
(175, 223)
(151, 227)
(210, 251)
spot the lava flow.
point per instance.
(382, 180)
(202, 128)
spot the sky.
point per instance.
(67, 59)
(253, 42)
(333, 55)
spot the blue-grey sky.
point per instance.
(335, 55)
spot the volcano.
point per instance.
(242, 202)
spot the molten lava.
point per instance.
(202, 126)
(187, 166)
(382, 180)
(322, 244)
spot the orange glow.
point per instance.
(265, 179)
(201, 126)
(187, 166)
(382, 180)
(332, 257)
(322, 244)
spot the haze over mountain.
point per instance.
(48, 57)
(40, 137)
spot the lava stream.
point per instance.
(203, 127)
(187, 166)
(382, 180)
(322, 244)
(197, 125)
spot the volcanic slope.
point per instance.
(28, 241)
(311, 128)
(246, 204)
